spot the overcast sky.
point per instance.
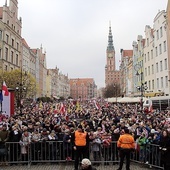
(74, 33)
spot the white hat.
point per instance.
(154, 131)
(86, 161)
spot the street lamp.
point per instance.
(21, 91)
(143, 85)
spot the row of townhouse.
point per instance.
(15, 53)
(145, 70)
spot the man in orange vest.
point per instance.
(80, 140)
(126, 145)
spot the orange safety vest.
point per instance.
(80, 138)
(126, 141)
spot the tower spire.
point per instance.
(6, 3)
(110, 46)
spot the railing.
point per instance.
(57, 152)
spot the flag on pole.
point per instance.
(5, 91)
(1, 96)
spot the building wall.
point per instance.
(83, 89)
(12, 43)
(167, 27)
(161, 63)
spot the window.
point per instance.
(0, 53)
(151, 54)
(149, 84)
(12, 57)
(6, 54)
(165, 63)
(12, 42)
(157, 67)
(149, 71)
(160, 49)
(164, 46)
(161, 67)
(157, 34)
(6, 67)
(7, 38)
(166, 81)
(157, 82)
(152, 69)
(147, 42)
(0, 34)
(145, 71)
(161, 33)
(148, 56)
(156, 51)
(17, 46)
(17, 59)
(162, 83)
(153, 84)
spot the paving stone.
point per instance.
(65, 166)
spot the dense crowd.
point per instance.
(104, 123)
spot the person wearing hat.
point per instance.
(80, 140)
(125, 144)
(86, 165)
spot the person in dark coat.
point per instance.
(14, 148)
(165, 149)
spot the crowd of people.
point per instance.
(101, 124)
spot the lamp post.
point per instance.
(21, 91)
(143, 85)
(115, 88)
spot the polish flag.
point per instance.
(62, 109)
(5, 91)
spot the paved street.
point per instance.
(65, 166)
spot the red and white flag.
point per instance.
(62, 109)
(96, 104)
(5, 91)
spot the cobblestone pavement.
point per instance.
(65, 166)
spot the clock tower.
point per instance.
(110, 61)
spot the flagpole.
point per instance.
(1, 101)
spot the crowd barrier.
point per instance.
(57, 152)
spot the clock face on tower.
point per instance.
(110, 55)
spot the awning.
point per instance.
(153, 94)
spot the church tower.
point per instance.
(110, 60)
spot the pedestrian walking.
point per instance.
(126, 145)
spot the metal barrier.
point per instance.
(149, 155)
(56, 152)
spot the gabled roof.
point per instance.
(143, 42)
(34, 51)
(80, 81)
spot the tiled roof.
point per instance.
(80, 81)
(34, 51)
(25, 43)
(127, 53)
